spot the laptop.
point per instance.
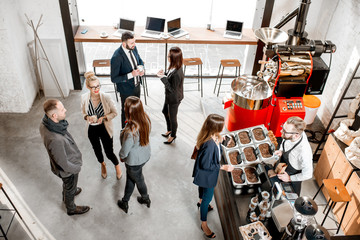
(154, 27)
(174, 28)
(233, 30)
(125, 26)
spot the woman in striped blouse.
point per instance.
(98, 110)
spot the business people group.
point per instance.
(99, 110)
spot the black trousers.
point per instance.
(123, 98)
(170, 112)
(69, 190)
(134, 176)
(96, 134)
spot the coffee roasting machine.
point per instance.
(291, 67)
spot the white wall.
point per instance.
(193, 13)
(18, 82)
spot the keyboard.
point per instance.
(234, 35)
(178, 33)
(151, 34)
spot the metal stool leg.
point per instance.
(3, 232)
(201, 79)
(198, 77)
(327, 213)
(342, 218)
(217, 78)
(144, 94)
(115, 89)
(318, 191)
(327, 205)
(222, 74)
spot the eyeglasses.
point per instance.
(95, 87)
(288, 132)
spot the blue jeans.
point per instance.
(206, 194)
(134, 176)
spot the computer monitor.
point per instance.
(155, 24)
(174, 25)
(234, 26)
(126, 24)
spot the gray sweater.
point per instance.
(65, 156)
(132, 152)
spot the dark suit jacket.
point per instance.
(174, 87)
(207, 165)
(120, 67)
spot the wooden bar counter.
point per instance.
(197, 36)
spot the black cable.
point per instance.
(311, 135)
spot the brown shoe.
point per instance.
(118, 172)
(78, 191)
(103, 170)
(79, 210)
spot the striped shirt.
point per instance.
(98, 111)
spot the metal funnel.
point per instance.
(271, 35)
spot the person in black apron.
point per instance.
(297, 126)
(290, 170)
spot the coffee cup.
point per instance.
(265, 195)
(141, 68)
(93, 119)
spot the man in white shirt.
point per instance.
(295, 154)
(127, 70)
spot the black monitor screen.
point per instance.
(234, 26)
(155, 24)
(127, 24)
(174, 25)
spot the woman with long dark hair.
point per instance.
(135, 150)
(173, 80)
(98, 110)
(207, 165)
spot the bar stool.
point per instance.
(337, 193)
(227, 63)
(195, 62)
(104, 63)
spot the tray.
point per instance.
(239, 156)
(264, 130)
(245, 161)
(238, 138)
(252, 183)
(229, 135)
(272, 150)
(239, 185)
(250, 231)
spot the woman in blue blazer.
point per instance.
(207, 165)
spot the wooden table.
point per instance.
(196, 36)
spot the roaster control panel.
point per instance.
(291, 105)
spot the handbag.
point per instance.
(194, 154)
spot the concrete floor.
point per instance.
(173, 213)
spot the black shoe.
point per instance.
(144, 201)
(210, 208)
(79, 210)
(123, 205)
(78, 191)
(165, 135)
(167, 142)
(211, 235)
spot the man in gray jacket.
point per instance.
(65, 156)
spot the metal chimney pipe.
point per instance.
(300, 21)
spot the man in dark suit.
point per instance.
(127, 70)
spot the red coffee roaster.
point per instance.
(249, 104)
(291, 67)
